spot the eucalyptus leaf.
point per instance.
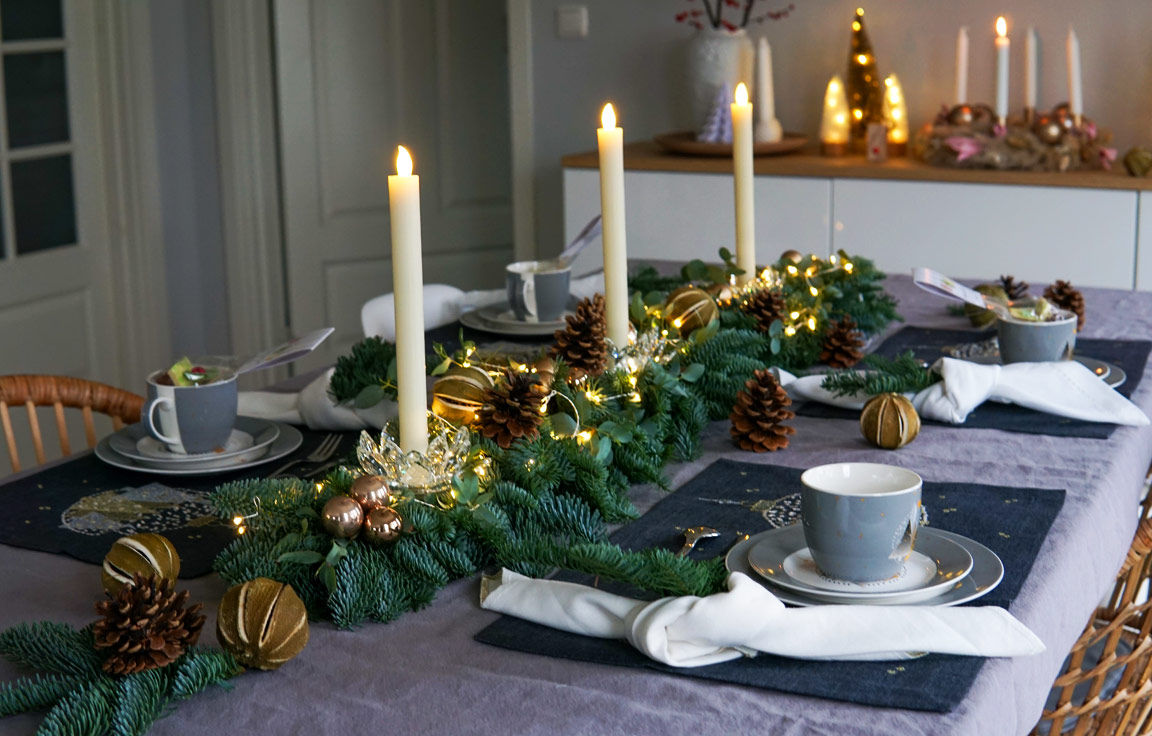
(775, 345)
(564, 425)
(442, 368)
(776, 328)
(694, 270)
(369, 396)
(327, 575)
(335, 554)
(301, 557)
(603, 450)
(692, 373)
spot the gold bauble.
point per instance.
(889, 421)
(722, 293)
(370, 491)
(1138, 161)
(689, 309)
(382, 525)
(961, 115)
(146, 554)
(1048, 130)
(342, 517)
(262, 623)
(794, 256)
(458, 395)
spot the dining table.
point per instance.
(425, 673)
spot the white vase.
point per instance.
(717, 58)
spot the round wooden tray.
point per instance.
(684, 141)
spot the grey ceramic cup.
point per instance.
(191, 419)
(1037, 342)
(860, 519)
(538, 290)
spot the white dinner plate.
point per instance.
(251, 438)
(783, 559)
(987, 572)
(286, 443)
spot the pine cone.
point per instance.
(581, 344)
(767, 306)
(759, 412)
(842, 344)
(1013, 288)
(1063, 295)
(145, 625)
(513, 409)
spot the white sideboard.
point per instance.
(1083, 226)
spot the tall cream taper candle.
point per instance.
(610, 141)
(408, 290)
(744, 182)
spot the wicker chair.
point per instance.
(1106, 689)
(60, 392)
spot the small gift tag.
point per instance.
(286, 353)
(877, 142)
(937, 283)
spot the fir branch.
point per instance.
(38, 692)
(199, 669)
(903, 374)
(138, 701)
(51, 647)
(371, 363)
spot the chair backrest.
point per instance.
(60, 392)
(1106, 686)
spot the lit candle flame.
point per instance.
(1001, 27)
(608, 117)
(741, 96)
(403, 161)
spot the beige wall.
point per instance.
(635, 51)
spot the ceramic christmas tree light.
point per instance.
(865, 99)
(834, 123)
(895, 116)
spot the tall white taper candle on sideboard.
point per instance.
(408, 290)
(962, 66)
(1075, 90)
(1002, 47)
(610, 141)
(744, 181)
(1030, 74)
(768, 128)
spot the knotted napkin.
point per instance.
(443, 305)
(693, 632)
(314, 408)
(1065, 388)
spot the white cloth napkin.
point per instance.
(314, 408)
(443, 305)
(693, 632)
(1065, 388)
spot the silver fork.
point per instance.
(323, 451)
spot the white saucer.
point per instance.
(498, 318)
(251, 437)
(986, 573)
(288, 440)
(918, 571)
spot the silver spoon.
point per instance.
(694, 534)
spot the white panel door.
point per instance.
(684, 216)
(55, 273)
(1041, 234)
(1144, 243)
(354, 80)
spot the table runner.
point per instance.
(81, 506)
(927, 344)
(1013, 522)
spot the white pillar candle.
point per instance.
(1075, 91)
(962, 66)
(1002, 46)
(768, 128)
(408, 289)
(610, 140)
(1030, 72)
(744, 180)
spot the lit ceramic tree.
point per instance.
(865, 98)
(895, 116)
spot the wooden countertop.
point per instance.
(647, 156)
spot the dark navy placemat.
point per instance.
(80, 507)
(732, 497)
(928, 343)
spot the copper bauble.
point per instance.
(546, 370)
(144, 554)
(459, 394)
(722, 293)
(1062, 114)
(689, 309)
(1048, 130)
(342, 517)
(382, 525)
(889, 421)
(370, 491)
(262, 623)
(794, 256)
(961, 115)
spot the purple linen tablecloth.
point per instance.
(425, 674)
